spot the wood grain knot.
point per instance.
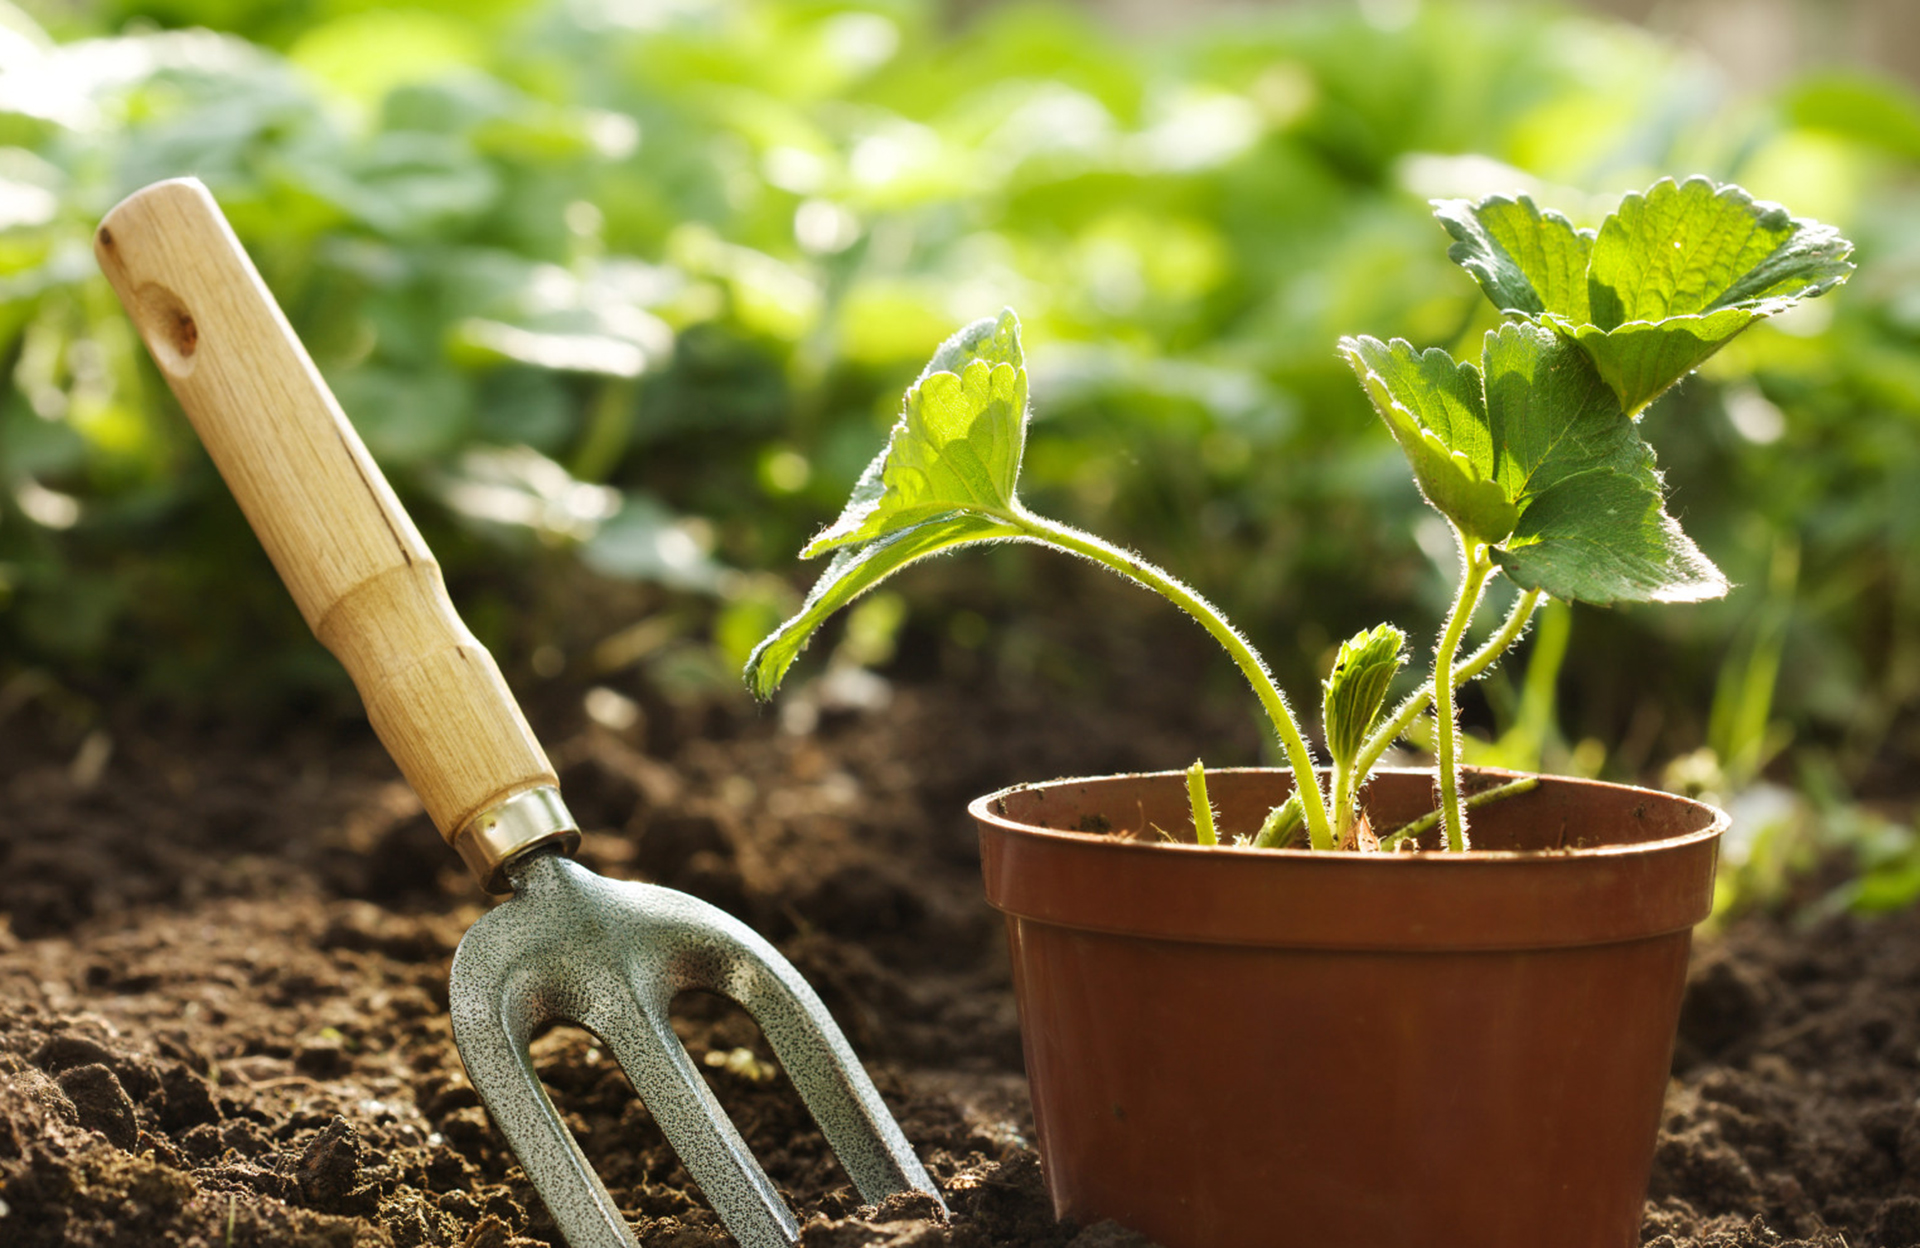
(169, 329)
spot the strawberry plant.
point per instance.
(1534, 456)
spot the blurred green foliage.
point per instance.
(644, 279)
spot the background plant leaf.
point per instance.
(1526, 260)
(1436, 410)
(807, 223)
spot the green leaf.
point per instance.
(1436, 411)
(1356, 688)
(1592, 524)
(853, 572)
(1640, 359)
(993, 339)
(1550, 413)
(1698, 262)
(1604, 536)
(1693, 247)
(946, 477)
(1533, 455)
(1526, 260)
(957, 444)
(1670, 277)
(1280, 824)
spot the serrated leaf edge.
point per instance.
(847, 528)
(1371, 382)
(1462, 232)
(1766, 306)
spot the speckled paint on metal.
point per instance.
(610, 956)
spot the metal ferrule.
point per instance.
(529, 820)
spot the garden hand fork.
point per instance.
(569, 944)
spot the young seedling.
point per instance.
(1534, 456)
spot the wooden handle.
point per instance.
(364, 579)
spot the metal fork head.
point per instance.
(610, 956)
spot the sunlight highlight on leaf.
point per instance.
(1668, 279)
(946, 477)
(957, 444)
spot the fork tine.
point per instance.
(836, 1088)
(641, 1036)
(494, 1014)
(685, 942)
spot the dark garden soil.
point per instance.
(223, 991)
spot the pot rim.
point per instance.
(1616, 890)
(983, 809)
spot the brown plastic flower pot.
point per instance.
(1235, 1048)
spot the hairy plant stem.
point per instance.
(1299, 756)
(1203, 833)
(1396, 725)
(1345, 773)
(1473, 582)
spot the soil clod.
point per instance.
(101, 1103)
